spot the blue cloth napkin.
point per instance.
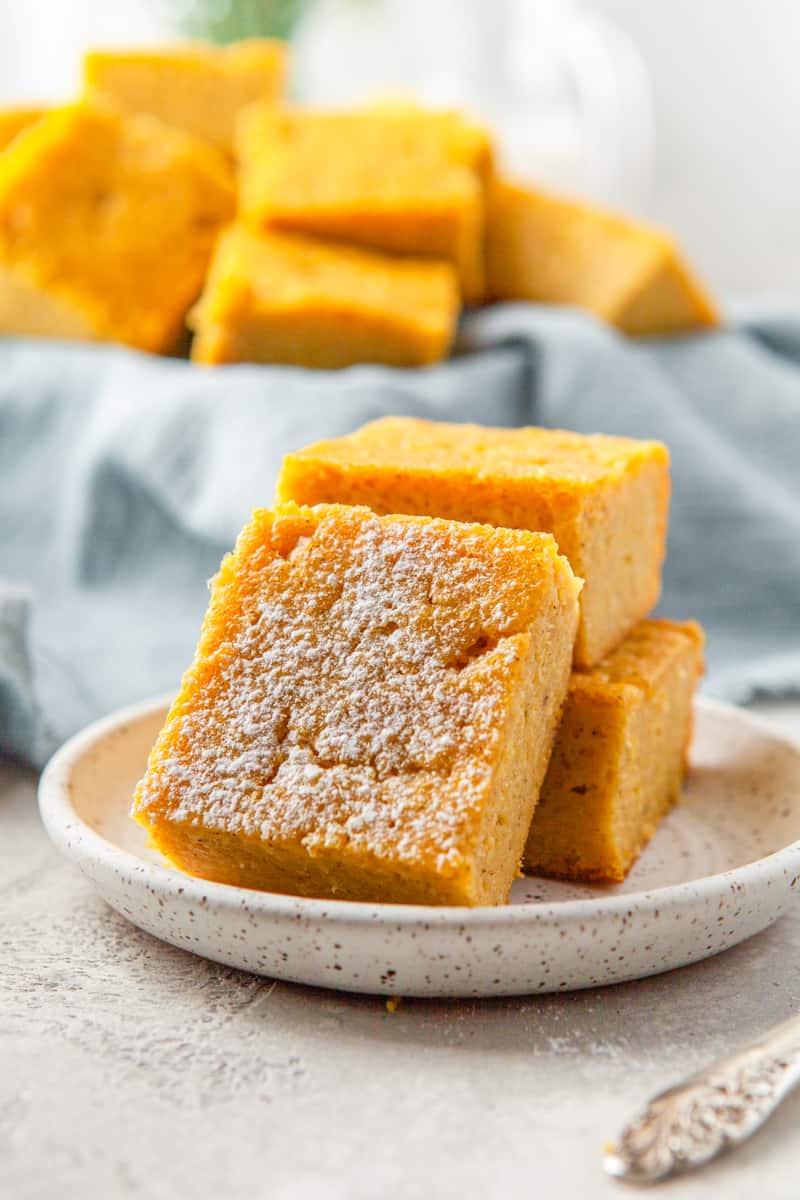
(124, 478)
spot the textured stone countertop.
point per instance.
(128, 1068)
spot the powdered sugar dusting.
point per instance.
(356, 694)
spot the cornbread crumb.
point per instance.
(370, 710)
(619, 757)
(557, 251)
(85, 251)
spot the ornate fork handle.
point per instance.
(690, 1124)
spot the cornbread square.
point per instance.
(546, 248)
(458, 135)
(14, 120)
(282, 298)
(370, 709)
(402, 181)
(604, 499)
(620, 754)
(196, 86)
(107, 224)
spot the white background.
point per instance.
(726, 81)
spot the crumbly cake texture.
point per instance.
(398, 180)
(106, 227)
(370, 710)
(605, 499)
(195, 86)
(546, 248)
(620, 753)
(273, 297)
(14, 120)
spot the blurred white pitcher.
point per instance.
(564, 89)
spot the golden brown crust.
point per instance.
(604, 499)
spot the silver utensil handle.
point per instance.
(690, 1124)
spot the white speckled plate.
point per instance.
(723, 866)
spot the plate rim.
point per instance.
(60, 819)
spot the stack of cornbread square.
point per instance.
(342, 202)
(182, 193)
(381, 705)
